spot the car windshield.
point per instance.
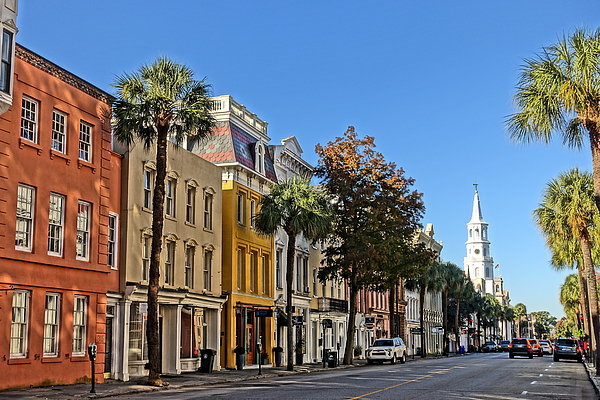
(567, 342)
(382, 342)
(520, 341)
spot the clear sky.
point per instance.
(432, 81)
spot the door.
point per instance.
(250, 343)
(108, 347)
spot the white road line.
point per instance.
(534, 382)
(524, 392)
(541, 374)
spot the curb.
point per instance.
(591, 375)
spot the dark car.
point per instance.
(567, 349)
(520, 347)
(504, 345)
(490, 346)
(536, 347)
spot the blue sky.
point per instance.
(432, 81)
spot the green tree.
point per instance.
(160, 102)
(463, 291)
(299, 209)
(569, 297)
(376, 214)
(544, 322)
(571, 196)
(450, 277)
(520, 312)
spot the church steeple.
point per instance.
(479, 261)
(476, 214)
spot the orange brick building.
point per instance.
(59, 217)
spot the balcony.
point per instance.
(327, 304)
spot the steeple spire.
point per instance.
(476, 214)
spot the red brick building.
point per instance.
(59, 217)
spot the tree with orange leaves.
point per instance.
(377, 214)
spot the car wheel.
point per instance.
(403, 359)
(511, 355)
(541, 354)
(555, 359)
(393, 361)
(579, 359)
(530, 355)
(370, 362)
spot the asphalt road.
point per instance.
(479, 376)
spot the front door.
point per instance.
(250, 343)
(108, 347)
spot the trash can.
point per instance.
(207, 358)
(332, 359)
(461, 350)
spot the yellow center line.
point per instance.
(414, 380)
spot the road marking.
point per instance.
(524, 392)
(416, 379)
(546, 370)
(541, 374)
(534, 382)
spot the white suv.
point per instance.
(391, 350)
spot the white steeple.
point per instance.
(479, 264)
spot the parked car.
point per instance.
(392, 350)
(567, 349)
(536, 347)
(504, 345)
(520, 347)
(490, 346)
(546, 346)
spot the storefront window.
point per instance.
(138, 348)
(192, 332)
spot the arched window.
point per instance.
(476, 272)
(476, 233)
(470, 233)
(497, 288)
(487, 272)
(260, 158)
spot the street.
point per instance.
(479, 376)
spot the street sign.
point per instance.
(327, 323)
(437, 330)
(297, 320)
(415, 331)
(264, 313)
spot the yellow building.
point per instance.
(238, 145)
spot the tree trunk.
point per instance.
(456, 328)
(422, 320)
(583, 300)
(592, 295)
(392, 308)
(353, 293)
(445, 339)
(289, 279)
(152, 328)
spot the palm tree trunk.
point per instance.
(456, 329)
(592, 295)
(422, 320)
(289, 279)
(152, 328)
(583, 300)
(445, 339)
(353, 293)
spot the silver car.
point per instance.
(392, 350)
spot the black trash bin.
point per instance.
(332, 359)
(207, 360)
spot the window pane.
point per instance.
(24, 225)
(85, 142)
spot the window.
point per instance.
(208, 257)
(190, 205)
(189, 266)
(83, 231)
(59, 131)
(208, 205)
(146, 247)
(7, 58)
(315, 281)
(252, 213)
(85, 141)
(24, 227)
(305, 273)
(113, 229)
(169, 262)
(260, 158)
(240, 267)
(29, 119)
(240, 208)
(170, 197)
(148, 186)
(51, 325)
(278, 271)
(298, 274)
(56, 224)
(263, 274)
(79, 325)
(252, 271)
(19, 324)
(138, 348)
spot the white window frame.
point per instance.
(207, 269)
(29, 119)
(278, 268)
(19, 328)
(170, 186)
(190, 253)
(25, 217)
(80, 305)
(59, 131)
(148, 187)
(190, 204)
(113, 240)
(84, 219)
(169, 262)
(146, 251)
(6, 71)
(56, 224)
(85, 141)
(208, 210)
(51, 324)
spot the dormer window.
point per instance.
(260, 158)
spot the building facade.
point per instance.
(239, 146)
(59, 226)
(190, 296)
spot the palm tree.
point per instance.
(448, 276)
(520, 312)
(425, 282)
(464, 290)
(571, 198)
(559, 94)
(570, 297)
(298, 208)
(160, 102)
